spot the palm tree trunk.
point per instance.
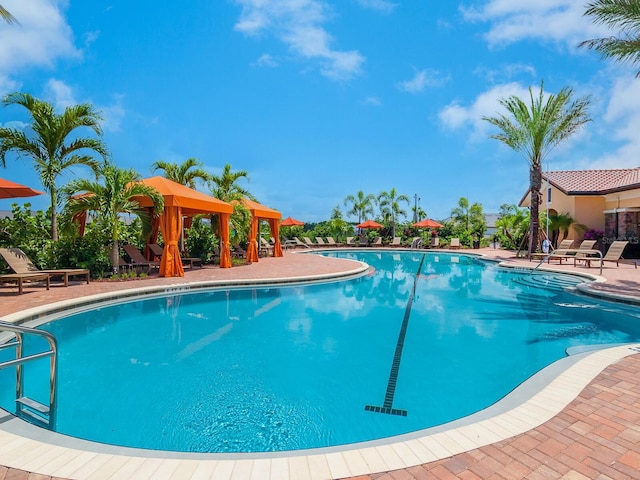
(114, 257)
(535, 180)
(54, 217)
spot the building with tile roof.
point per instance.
(605, 200)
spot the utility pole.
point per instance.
(415, 207)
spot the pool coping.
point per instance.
(535, 401)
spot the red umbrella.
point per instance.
(428, 223)
(12, 190)
(291, 222)
(369, 224)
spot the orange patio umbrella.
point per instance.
(427, 223)
(10, 189)
(369, 224)
(291, 222)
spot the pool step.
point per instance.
(550, 281)
(33, 410)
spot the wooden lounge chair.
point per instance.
(191, 262)
(237, 251)
(614, 254)
(266, 249)
(20, 278)
(137, 259)
(320, 242)
(300, 243)
(21, 264)
(308, 242)
(395, 242)
(454, 243)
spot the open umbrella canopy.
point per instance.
(10, 189)
(291, 222)
(428, 223)
(369, 224)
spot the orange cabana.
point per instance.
(260, 212)
(180, 201)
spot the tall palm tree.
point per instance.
(54, 146)
(534, 130)
(185, 173)
(6, 16)
(389, 202)
(225, 187)
(109, 199)
(361, 205)
(617, 14)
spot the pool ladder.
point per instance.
(28, 408)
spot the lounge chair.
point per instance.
(614, 254)
(565, 254)
(565, 245)
(321, 242)
(435, 242)
(332, 243)
(377, 242)
(363, 242)
(191, 262)
(137, 259)
(454, 243)
(395, 242)
(21, 264)
(350, 242)
(266, 249)
(416, 242)
(20, 278)
(300, 243)
(237, 251)
(308, 242)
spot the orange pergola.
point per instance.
(260, 212)
(180, 201)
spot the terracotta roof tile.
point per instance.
(578, 182)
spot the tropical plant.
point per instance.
(338, 227)
(534, 130)
(511, 225)
(52, 147)
(110, 199)
(616, 14)
(560, 224)
(27, 230)
(6, 16)
(185, 173)
(389, 203)
(470, 217)
(225, 187)
(361, 205)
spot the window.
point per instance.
(548, 194)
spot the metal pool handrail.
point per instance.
(24, 405)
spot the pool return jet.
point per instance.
(387, 406)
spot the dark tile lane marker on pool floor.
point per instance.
(387, 406)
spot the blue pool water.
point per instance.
(294, 367)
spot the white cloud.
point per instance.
(42, 37)
(7, 85)
(560, 21)
(265, 60)
(423, 79)
(61, 94)
(300, 25)
(15, 124)
(375, 101)
(506, 72)
(113, 114)
(383, 6)
(487, 104)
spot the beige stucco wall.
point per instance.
(628, 199)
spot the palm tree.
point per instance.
(534, 130)
(225, 187)
(389, 202)
(462, 214)
(618, 14)
(185, 174)
(54, 147)
(6, 16)
(111, 198)
(361, 205)
(562, 223)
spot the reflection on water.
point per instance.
(293, 367)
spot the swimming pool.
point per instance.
(296, 367)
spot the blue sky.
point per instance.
(318, 99)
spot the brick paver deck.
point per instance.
(597, 436)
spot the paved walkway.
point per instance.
(596, 436)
